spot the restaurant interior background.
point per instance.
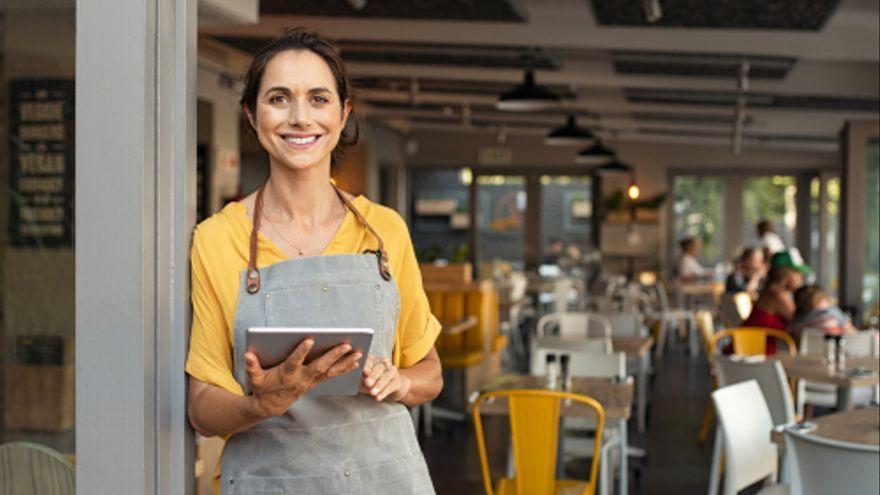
(721, 113)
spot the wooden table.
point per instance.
(615, 396)
(814, 368)
(856, 426)
(453, 327)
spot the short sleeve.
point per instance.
(210, 352)
(417, 328)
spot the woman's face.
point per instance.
(299, 116)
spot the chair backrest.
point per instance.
(582, 363)
(729, 310)
(626, 324)
(830, 466)
(751, 341)
(575, 324)
(706, 326)
(32, 469)
(534, 429)
(745, 422)
(593, 345)
(860, 344)
(771, 378)
(812, 342)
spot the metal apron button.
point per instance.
(325, 288)
(347, 472)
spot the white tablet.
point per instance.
(272, 345)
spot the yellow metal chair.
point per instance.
(706, 326)
(534, 426)
(751, 341)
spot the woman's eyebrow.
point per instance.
(280, 89)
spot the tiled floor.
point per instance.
(676, 464)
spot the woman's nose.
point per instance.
(299, 114)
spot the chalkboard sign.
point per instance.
(41, 166)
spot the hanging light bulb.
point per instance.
(632, 191)
(570, 133)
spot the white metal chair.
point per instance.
(771, 378)
(859, 344)
(575, 324)
(830, 466)
(669, 317)
(592, 345)
(32, 469)
(590, 365)
(745, 424)
(626, 324)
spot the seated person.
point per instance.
(553, 252)
(792, 258)
(775, 305)
(769, 239)
(687, 268)
(816, 311)
(750, 272)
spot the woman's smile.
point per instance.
(300, 141)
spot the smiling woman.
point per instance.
(326, 259)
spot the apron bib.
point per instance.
(324, 445)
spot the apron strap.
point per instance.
(253, 273)
(381, 255)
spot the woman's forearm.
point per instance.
(216, 412)
(426, 380)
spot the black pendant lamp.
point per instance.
(570, 133)
(614, 167)
(597, 153)
(528, 96)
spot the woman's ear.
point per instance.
(346, 111)
(250, 117)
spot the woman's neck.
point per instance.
(303, 197)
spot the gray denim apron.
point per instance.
(324, 445)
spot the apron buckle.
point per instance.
(384, 267)
(253, 281)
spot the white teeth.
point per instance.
(300, 141)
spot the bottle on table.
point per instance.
(552, 372)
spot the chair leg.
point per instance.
(707, 422)
(428, 417)
(715, 472)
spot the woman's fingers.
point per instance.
(344, 365)
(253, 368)
(378, 389)
(298, 356)
(321, 365)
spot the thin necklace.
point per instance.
(299, 251)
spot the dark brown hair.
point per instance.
(302, 39)
(764, 226)
(778, 274)
(808, 298)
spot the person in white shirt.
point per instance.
(769, 239)
(687, 268)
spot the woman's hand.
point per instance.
(277, 388)
(382, 380)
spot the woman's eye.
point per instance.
(277, 99)
(321, 99)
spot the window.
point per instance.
(699, 212)
(566, 209)
(440, 214)
(37, 71)
(770, 198)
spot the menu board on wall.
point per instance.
(41, 154)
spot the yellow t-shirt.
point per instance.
(220, 253)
